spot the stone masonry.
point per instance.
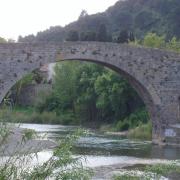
(155, 74)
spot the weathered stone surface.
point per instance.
(155, 74)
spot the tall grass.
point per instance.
(135, 119)
(149, 172)
(62, 165)
(143, 131)
(29, 115)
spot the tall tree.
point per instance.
(131, 37)
(88, 36)
(83, 14)
(73, 36)
(102, 33)
(123, 37)
(2, 40)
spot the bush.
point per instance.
(21, 115)
(45, 117)
(163, 169)
(143, 131)
(122, 126)
(135, 119)
(68, 118)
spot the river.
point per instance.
(103, 151)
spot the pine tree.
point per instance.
(73, 36)
(123, 37)
(102, 33)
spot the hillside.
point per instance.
(137, 16)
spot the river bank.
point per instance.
(16, 142)
(106, 155)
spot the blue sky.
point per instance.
(23, 17)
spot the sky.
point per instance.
(24, 17)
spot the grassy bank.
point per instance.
(30, 115)
(135, 126)
(143, 131)
(148, 172)
(171, 171)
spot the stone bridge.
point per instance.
(154, 74)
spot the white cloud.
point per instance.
(23, 17)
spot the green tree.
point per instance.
(83, 14)
(88, 36)
(115, 96)
(154, 41)
(173, 44)
(91, 93)
(2, 40)
(102, 33)
(73, 36)
(87, 96)
(131, 37)
(123, 37)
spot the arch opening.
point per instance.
(141, 90)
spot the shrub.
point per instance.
(143, 131)
(135, 119)
(163, 169)
(122, 126)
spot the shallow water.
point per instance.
(104, 153)
(105, 146)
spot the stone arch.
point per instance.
(153, 73)
(139, 88)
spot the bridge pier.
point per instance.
(165, 127)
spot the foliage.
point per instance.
(155, 171)
(134, 175)
(164, 169)
(31, 116)
(88, 36)
(2, 40)
(142, 131)
(102, 33)
(133, 120)
(62, 164)
(28, 134)
(123, 37)
(154, 41)
(173, 44)
(73, 36)
(83, 14)
(4, 129)
(141, 17)
(93, 93)
(127, 177)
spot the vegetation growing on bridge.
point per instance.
(153, 40)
